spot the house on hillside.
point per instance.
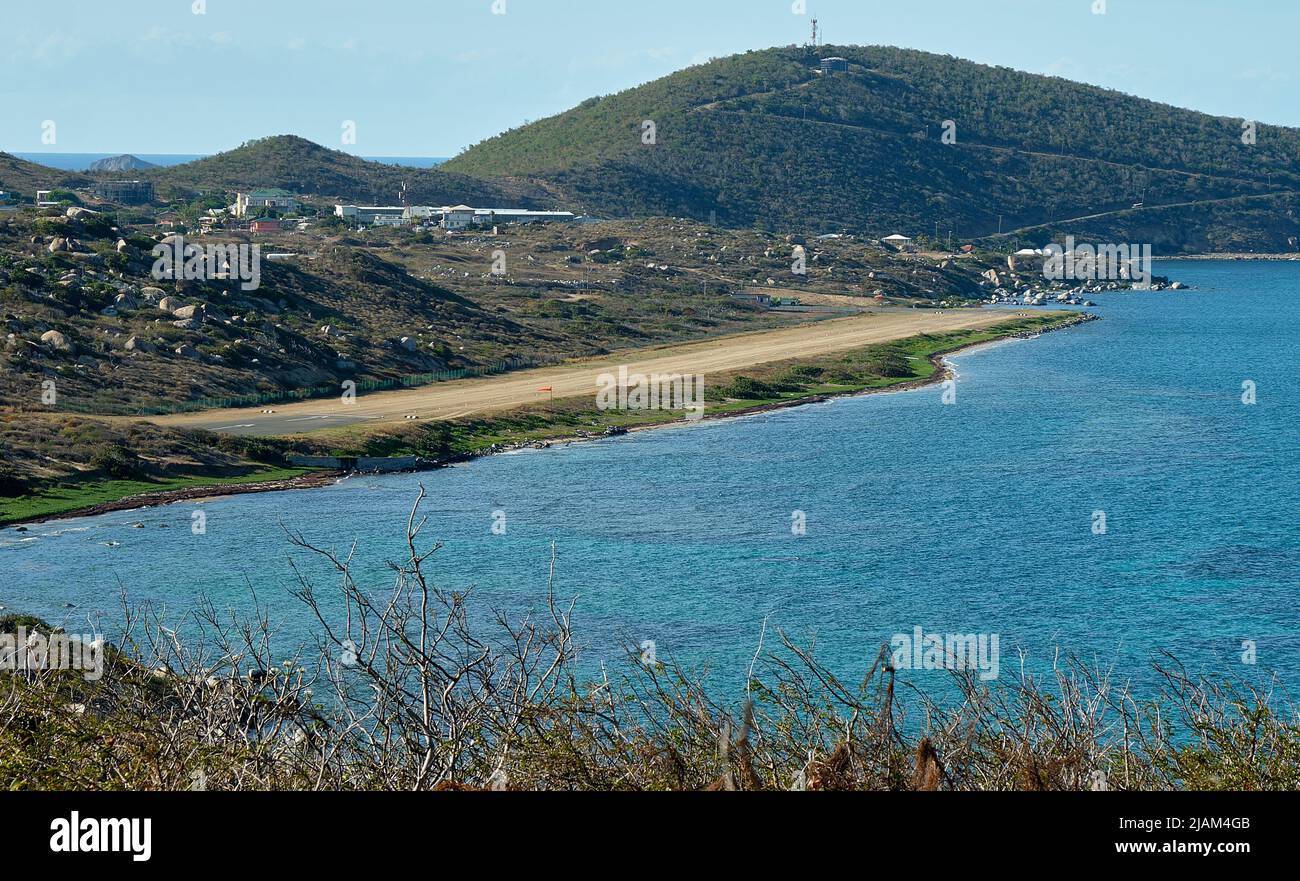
(898, 242)
(278, 201)
(835, 64)
(761, 300)
(457, 217)
(265, 225)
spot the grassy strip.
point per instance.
(874, 367)
(61, 499)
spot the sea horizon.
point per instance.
(81, 161)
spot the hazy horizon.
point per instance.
(80, 160)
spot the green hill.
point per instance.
(300, 166)
(766, 139)
(25, 178)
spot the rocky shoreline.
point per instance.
(1232, 256)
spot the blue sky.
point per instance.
(430, 77)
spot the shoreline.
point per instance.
(316, 480)
(1232, 256)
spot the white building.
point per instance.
(276, 200)
(899, 242)
(463, 216)
(365, 215)
(457, 217)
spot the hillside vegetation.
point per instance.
(80, 307)
(24, 178)
(766, 139)
(299, 166)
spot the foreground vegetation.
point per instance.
(410, 688)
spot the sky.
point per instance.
(432, 77)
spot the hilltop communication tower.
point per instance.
(814, 32)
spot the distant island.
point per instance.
(125, 162)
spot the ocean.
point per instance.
(1104, 491)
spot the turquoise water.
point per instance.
(971, 518)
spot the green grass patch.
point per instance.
(56, 500)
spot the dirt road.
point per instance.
(475, 396)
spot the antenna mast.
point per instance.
(814, 32)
